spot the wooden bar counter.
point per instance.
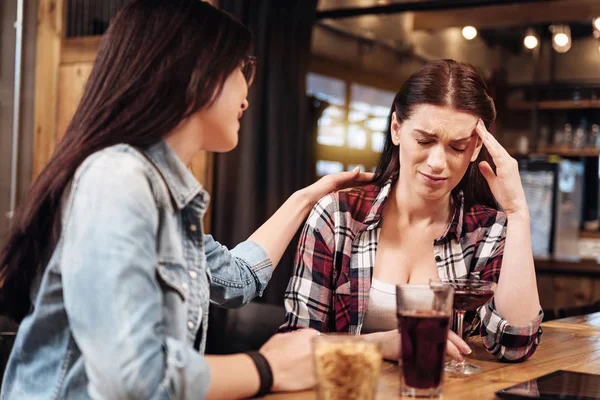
(571, 344)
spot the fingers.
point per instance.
(364, 177)
(352, 178)
(487, 171)
(459, 343)
(495, 149)
(308, 332)
(453, 351)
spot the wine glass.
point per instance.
(469, 295)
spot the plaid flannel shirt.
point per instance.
(329, 289)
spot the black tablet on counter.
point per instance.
(563, 385)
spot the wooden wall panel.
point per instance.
(71, 82)
(49, 37)
(558, 291)
(202, 168)
(62, 68)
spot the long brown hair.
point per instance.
(159, 62)
(443, 83)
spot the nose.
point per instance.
(245, 104)
(436, 160)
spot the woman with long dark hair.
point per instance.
(436, 209)
(106, 266)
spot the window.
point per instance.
(351, 130)
(328, 167)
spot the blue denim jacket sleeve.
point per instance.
(237, 275)
(111, 293)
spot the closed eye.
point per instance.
(459, 150)
(428, 142)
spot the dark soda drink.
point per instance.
(466, 299)
(423, 337)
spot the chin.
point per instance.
(224, 144)
(432, 194)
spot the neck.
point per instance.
(414, 209)
(185, 141)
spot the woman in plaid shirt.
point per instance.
(436, 208)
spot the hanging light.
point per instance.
(596, 25)
(531, 40)
(469, 32)
(561, 38)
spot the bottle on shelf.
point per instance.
(566, 137)
(542, 143)
(580, 135)
(594, 139)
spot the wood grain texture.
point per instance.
(202, 168)
(79, 49)
(49, 36)
(508, 15)
(571, 344)
(71, 82)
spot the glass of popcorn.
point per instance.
(346, 367)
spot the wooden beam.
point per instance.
(508, 15)
(71, 82)
(79, 49)
(49, 35)
(202, 168)
(408, 6)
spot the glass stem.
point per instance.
(460, 316)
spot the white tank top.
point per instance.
(381, 312)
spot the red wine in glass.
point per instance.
(469, 295)
(466, 299)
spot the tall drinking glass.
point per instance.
(469, 295)
(423, 320)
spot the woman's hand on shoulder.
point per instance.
(334, 182)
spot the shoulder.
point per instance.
(116, 171)
(483, 217)
(346, 209)
(354, 202)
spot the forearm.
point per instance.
(390, 343)
(278, 231)
(240, 370)
(516, 298)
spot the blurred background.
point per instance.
(327, 74)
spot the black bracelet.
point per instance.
(264, 372)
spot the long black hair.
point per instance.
(443, 83)
(159, 62)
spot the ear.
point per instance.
(395, 129)
(477, 150)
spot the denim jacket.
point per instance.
(128, 286)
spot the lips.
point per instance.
(240, 114)
(432, 179)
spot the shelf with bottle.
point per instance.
(564, 95)
(553, 104)
(581, 142)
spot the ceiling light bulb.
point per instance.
(531, 41)
(561, 39)
(469, 32)
(596, 23)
